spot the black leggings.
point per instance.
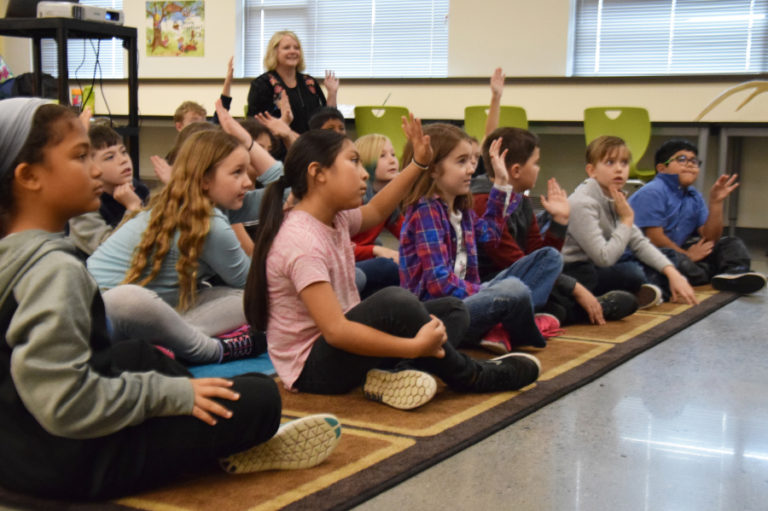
(153, 453)
(394, 310)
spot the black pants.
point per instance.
(153, 453)
(729, 255)
(394, 310)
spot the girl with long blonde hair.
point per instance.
(180, 251)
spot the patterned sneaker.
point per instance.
(508, 372)
(496, 340)
(301, 443)
(236, 344)
(548, 325)
(404, 390)
(617, 305)
(743, 283)
(648, 296)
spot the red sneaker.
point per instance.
(496, 340)
(548, 325)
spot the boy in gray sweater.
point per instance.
(603, 248)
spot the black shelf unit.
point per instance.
(63, 29)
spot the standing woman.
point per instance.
(284, 62)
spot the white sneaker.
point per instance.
(404, 390)
(648, 296)
(302, 443)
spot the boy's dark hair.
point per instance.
(322, 115)
(518, 142)
(670, 147)
(314, 146)
(103, 136)
(256, 129)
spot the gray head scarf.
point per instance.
(15, 123)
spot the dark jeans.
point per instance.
(153, 453)
(628, 274)
(394, 310)
(729, 255)
(380, 272)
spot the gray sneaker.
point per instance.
(743, 283)
(648, 296)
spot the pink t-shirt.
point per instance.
(306, 251)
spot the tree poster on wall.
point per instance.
(175, 29)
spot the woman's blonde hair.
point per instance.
(182, 205)
(443, 138)
(369, 148)
(270, 58)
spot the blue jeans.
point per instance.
(379, 272)
(510, 298)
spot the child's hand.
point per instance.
(286, 113)
(723, 187)
(589, 303)
(422, 149)
(556, 202)
(331, 82)
(231, 126)
(125, 195)
(430, 339)
(497, 82)
(275, 125)
(679, 288)
(162, 169)
(85, 118)
(207, 388)
(226, 90)
(501, 175)
(623, 209)
(699, 250)
(380, 251)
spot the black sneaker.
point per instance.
(508, 372)
(743, 283)
(648, 296)
(617, 305)
(237, 344)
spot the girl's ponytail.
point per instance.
(314, 146)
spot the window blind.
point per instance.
(354, 38)
(659, 37)
(81, 53)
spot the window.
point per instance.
(81, 53)
(658, 37)
(355, 38)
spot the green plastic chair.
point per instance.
(386, 120)
(509, 116)
(630, 123)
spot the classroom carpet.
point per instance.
(382, 446)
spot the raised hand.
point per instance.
(276, 125)
(556, 202)
(497, 82)
(623, 209)
(723, 187)
(331, 82)
(226, 90)
(286, 112)
(205, 407)
(85, 117)
(500, 173)
(162, 169)
(422, 149)
(231, 126)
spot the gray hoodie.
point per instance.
(53, 322)
(595, 233)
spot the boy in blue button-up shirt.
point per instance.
(675, 217)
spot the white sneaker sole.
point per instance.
(302, 443)
(497, 348)
(404, 390)
(649, 296)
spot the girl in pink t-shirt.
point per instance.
(301, 289)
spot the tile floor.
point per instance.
(683, 426)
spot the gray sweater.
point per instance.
(595, 233)
(48, 301)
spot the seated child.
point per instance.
(122, 192)
(328, 118)
(522, 244)
(603, 248)
(187, 113)
(379, 263)
(186, 264)
(81, 418)
(675, 217)
(438, 242)
(322, 338)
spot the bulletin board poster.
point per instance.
(176, 29)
